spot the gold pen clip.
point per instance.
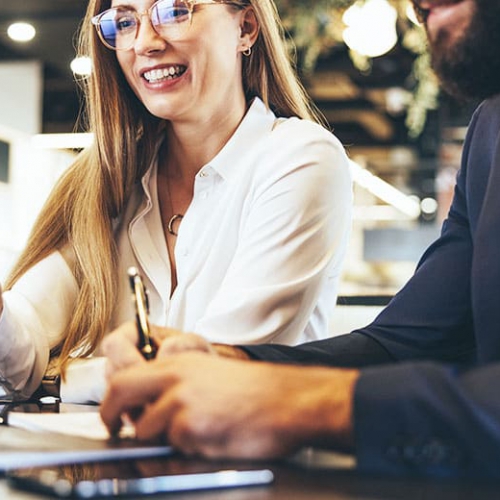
(147, 345)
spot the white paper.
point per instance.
(85, 424)
(35, 439)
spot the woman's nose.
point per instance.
(147, 39)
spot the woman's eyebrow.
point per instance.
(122, 6)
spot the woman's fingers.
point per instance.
(120, 349)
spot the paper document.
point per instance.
(69, 437)
(22, 448)
(85, 424)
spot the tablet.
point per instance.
(128, 478)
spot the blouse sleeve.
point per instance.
(36, 313)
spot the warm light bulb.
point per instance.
(81, 66)
(371, 27)
(21, 32)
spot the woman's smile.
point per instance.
(167, 73)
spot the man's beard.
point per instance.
(471, 68)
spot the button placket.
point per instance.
(203, 184)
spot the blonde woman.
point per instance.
(210, 172)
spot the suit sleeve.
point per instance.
(429, 318)
(428, 419)
(351, 350)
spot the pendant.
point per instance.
(170, 225)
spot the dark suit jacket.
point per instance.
(438, 413)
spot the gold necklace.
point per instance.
(176, 217)
(170, 225)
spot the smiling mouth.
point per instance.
(160, 75)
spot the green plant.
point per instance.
(316, 27)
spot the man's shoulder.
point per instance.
(485, 123)
(490, 108)
(493, 101)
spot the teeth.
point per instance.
(170, 73)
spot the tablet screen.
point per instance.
(135, 477)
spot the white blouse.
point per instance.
(258, 253)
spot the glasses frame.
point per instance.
(96, 20)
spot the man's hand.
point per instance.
(120, 346)
(219, 407)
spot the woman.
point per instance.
(207, 173)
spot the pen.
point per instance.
(147, 346)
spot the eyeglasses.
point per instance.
(118, 27)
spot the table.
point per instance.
(297, 480)
(309, 475)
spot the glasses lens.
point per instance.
(170, 16)
(118, 28)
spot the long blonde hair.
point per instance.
(78, 215)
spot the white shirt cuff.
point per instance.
(85, 381)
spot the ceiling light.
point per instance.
(21, 32)
(81, 66)
(371, 27)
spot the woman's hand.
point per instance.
(120, 346)
(1, 300)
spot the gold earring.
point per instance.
(247, 52)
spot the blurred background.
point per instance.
(364, 63)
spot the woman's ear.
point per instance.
(249, 29)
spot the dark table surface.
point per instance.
(294, 480)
